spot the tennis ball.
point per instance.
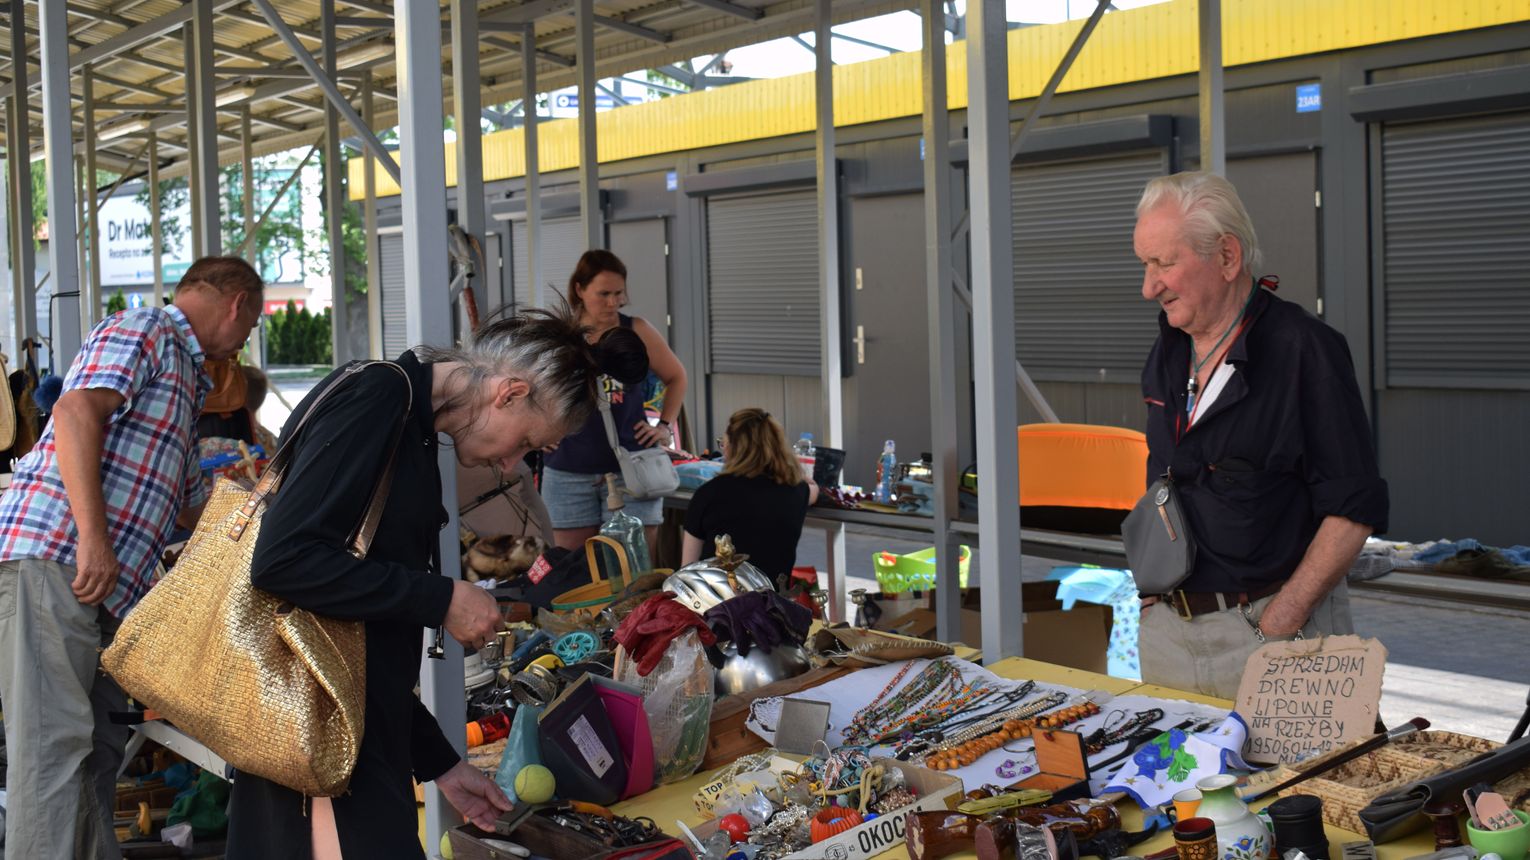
(534, 784)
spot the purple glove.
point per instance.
(759, 618)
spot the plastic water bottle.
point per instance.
(886, 466)
(806, 454)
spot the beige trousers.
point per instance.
(1207, 653)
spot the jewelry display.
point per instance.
(930, 698)
(966, 747)
(1118, 730)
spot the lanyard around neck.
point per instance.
(1192, 388)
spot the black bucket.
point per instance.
(827, 465)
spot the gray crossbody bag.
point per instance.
(648, 473)
(1159, 547)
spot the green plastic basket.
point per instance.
(915, 571)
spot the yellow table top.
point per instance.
(1024, 669)
(669, 803)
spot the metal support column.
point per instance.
(472, 211)
(58, 146)
(81, 234)
(828, 281)
(90, 287)
(18, 142)
(369, 219)
(533, 167)
(202, 126)
(417, 35)
(256, 348)
(10, 337)
(247, 186)
(941, 313)
(993, 340)
(589, 160)
(1213, 117)
(156, 232)
(334, 197)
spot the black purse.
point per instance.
(1159, 547)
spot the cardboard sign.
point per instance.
(1309, 696)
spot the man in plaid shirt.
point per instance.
(81, 529)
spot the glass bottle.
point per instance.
(887, 467)
(625, 529)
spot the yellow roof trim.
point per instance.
(1133, 45)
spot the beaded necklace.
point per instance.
(1109, 735)
(881, 718)
(935, 742)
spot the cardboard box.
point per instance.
(1079, 638)
(1062, 765)
(935, 791)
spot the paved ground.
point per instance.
(1451, 663)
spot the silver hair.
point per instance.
(545, 348)
(1211, 209)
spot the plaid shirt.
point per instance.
(149, 463)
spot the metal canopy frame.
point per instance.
(240, 76)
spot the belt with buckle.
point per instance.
(1189, 604)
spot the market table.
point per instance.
(669, 803)
(1062, 546)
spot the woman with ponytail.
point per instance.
(520, 385)
(760, 499)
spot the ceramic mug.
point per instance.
(1196, 839)
(1186, 802)
(1510, 844)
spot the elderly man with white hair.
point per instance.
(1254, 411)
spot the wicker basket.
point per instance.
(1348, 789)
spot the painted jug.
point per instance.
(1241, 835)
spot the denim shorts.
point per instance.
(577, 500)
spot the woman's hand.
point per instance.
(473, 794)
(648, 435)
(472, 617)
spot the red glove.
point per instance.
(658, 621)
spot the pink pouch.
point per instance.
(624, 707)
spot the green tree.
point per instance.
(117, 302)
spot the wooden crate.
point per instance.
(728, 739)
(1351, 787)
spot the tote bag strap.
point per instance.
(361, 538)
(604, 402)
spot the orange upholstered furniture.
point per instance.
(1081, 466)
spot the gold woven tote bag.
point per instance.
(275, 690)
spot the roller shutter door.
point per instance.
(762, 281)
(560, 245)
(1456, 252)
(1078, 302)
(391, 270)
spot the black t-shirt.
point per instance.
(764, 519)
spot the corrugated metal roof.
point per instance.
(146, 83)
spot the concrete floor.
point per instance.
(1451, 663)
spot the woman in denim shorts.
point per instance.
(573, 477)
